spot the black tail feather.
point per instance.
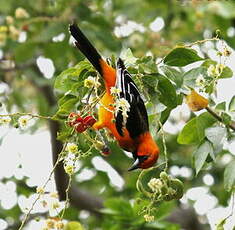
(84, 45)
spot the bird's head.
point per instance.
(144, 161)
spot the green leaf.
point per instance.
(221, 106)
(229, 176)
(191, 76)
(181, 57)
(201, 154)
(220, 225)
(25, 51)
(226, 118)
(120, 206)
(173, 75)
(167, 92)
(215, 134)
(66, 80)
(194, 131)
(73, 225)
(226, 73)
(128, 57)
(231, 106)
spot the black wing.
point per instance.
(137, 121)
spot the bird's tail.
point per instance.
(84, 45)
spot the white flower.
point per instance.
(21, 13)
(122, 105)
(200, 80)
(114, 91)
(91, 82)
(24, 121)
(219, 68)
(155, 184)
(70, 156)
(72, 148)
(215, 70)
(5, 120)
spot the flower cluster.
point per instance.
(80, 124)
(53, 224)
(71, 156)
(155, 184)
(114, 91)
(91, 82)
(148, 218)
(50, 201)
(200, 81)
(215, 70)
(121, 104)
(166, 188)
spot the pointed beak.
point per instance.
(135, 165)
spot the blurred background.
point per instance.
(35, 47)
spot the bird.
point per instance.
(130, 127)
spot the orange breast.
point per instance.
(106, 120)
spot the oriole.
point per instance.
(134, 135)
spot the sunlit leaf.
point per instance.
(229, 176)
(231, 106)
(201, 154)
(194, 131)
(215, 134)
(167, 92)
(221, 106)
(181, 57)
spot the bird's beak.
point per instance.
(135, 165)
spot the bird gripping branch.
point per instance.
(131, 127)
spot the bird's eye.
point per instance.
(142, 158)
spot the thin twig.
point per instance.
(164, 145)
(203, 41)
(219, 118)
(67, 197)
(26, 114)
(39, 195)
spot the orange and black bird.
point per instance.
(132, 135)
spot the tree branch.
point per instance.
(219, 118)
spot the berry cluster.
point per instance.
(80, 124)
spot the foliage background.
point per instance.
(25, 88)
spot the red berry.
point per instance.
(74, 118)
(89, 121)
(105, 151)
(25, 27)
(80, 127)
